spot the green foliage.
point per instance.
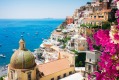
(101, 0)
(1, 78)
(80, 63)
(83, 25)
(64, 45)
(61, 27)
(97, 47)
(80, 59)
(106, 25)
(89, 25)
(76, 52)
(64, 41)
(115, 22)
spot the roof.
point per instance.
(22, 59)
(21, 40)
(57, 33)
(55, 48)
(54, 66)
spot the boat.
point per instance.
(21, 35)
(2, 55)
(14, 50)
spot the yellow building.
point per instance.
(102, 11)
(23, 67)
(55, 70)
(97, 17)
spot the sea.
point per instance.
(32, 30)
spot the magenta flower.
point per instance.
(117, 26)
(116, 36)
(117, 13)
(118, 20)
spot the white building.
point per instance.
(92, 59)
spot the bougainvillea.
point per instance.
(108, 40)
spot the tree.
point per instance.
(106, 25)
(1, 78)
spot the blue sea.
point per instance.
(33, 31)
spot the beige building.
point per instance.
(81, 44)
(91, 63)
(78, 43)
(23, 67)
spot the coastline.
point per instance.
(3, 71)
(3, 68)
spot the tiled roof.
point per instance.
(54, 66)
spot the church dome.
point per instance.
(22, 58)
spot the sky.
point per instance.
(35, 9)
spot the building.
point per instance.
(69, 19)
(55, 70)
(81, 44)
(77, 43)
(98, 12)
(56, 35)
(23, 67)
(91, 63)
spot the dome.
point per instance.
(22, 58)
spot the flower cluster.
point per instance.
(109, 59)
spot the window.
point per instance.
(52, 78)
(89, 67)
(37, 74)
(29, 75)
(90, 60)
(72, 44)
(94, 16)
(70, 72)
(97, 60)
(58, 77)
(91, 22)
(64, 75)
(11, 74)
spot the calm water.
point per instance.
(33, 30)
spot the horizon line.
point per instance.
(32, 18)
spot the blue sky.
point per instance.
(25, 9)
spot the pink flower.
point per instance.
(116, 36)
(118, 20)
(117, 26)
(117, 13)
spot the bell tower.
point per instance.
(22, 44)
